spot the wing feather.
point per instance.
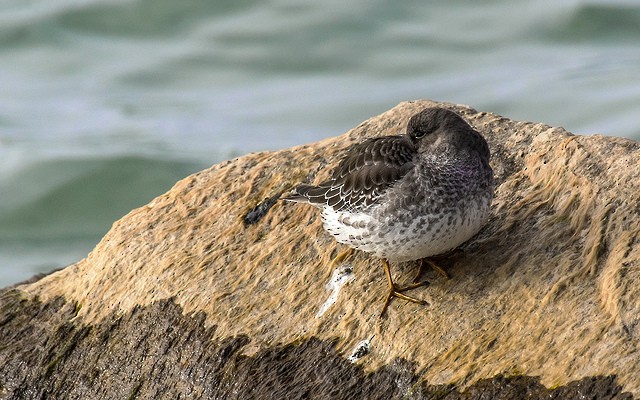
(363, 175)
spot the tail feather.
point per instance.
(305, 194)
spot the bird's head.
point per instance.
(436, 130)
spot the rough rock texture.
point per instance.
(548, 289)
(156, 352)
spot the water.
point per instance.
(104, 104)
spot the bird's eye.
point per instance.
(420, 134)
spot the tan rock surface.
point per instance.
(550, 288)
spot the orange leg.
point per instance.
(396, 291)
(434, 266)
(339, 258)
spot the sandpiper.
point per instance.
(408, 197)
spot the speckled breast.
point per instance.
(430, 221)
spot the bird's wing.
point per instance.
(367, 170)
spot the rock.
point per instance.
(213, 289)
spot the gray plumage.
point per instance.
(409, 196)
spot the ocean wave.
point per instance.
(76, 198)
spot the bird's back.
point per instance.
(368, 169)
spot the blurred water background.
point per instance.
(104, 104)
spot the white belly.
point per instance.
(425, 236)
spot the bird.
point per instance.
(409, 196)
